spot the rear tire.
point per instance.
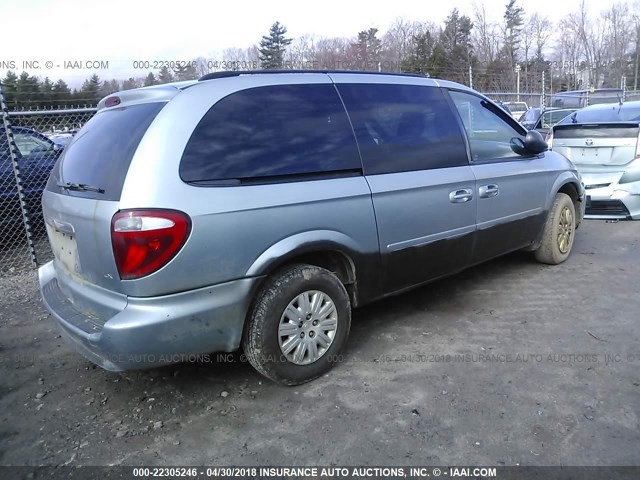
(298, 324)
(559, 232)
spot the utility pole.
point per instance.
(470, 77)
(517, 69)
(542, 102)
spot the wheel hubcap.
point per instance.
(307, 327)
(565, 230)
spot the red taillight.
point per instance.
(145, 240)
(112, 101)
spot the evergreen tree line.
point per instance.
(581, 50)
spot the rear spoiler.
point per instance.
(572, 126)
(601, 130)
(156, 93)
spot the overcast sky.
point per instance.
(121, 31)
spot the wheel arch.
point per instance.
(327, 249)
(569, 185)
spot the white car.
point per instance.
(517, 109)
(603, 142)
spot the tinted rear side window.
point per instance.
(403, 127)
(100, 154)
(269, 132)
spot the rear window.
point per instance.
(272, 131)
(611, 113)
(100, 154)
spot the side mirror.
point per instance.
(534, 143)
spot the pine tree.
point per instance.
(418, 59)
(109, 87)
(368, 48)
(90, 91)
(185, 71)
(46, 89)
(437, 60)
(61, 94)
(513, 22)
(455, 39)
(10, 88)
(273, 47)
(150, 80)
(130, 84)
(165, 75)
(27, 91)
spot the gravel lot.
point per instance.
(508, 363)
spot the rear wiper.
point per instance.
(80, 187)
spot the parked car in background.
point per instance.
(583, 98)
(36, 157)
(504, 107)
(258, 208)
(543, 119)
(516, 108)
(603, 142)
(61, 139)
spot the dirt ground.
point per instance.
(508, 363)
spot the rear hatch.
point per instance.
(83, 191)
(600, 146)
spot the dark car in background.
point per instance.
(36, 157)
(542, 119)
(603, 142)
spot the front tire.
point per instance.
(559, 232)
(298, 325)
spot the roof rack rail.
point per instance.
(237, 73)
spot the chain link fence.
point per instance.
(31, 141)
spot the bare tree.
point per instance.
(485, 38)
(203, 66)
(567, 60)
(592, 33)
(399, 41)
(619, 38)
(330, 52)
(536, 34)
(542, 28)
(301, 53)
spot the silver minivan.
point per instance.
(254, 210)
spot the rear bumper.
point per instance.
(607, 203)
(607, 198)
(150, 332)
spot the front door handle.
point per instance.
(461, 196)
(488, 191)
